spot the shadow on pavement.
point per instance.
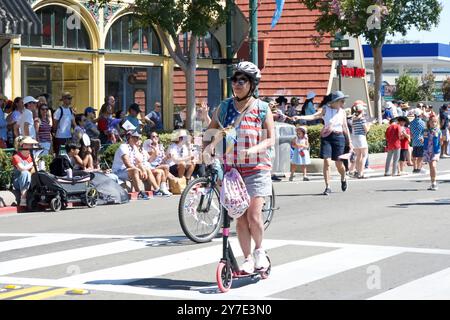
(439, 202)
(398, 190)
(203, 287)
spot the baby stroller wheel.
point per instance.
(91, 197)
(56, 204)
(224, 276)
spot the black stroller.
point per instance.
(58, 192)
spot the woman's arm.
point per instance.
(315, 116)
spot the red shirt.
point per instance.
(404, 143)
(102, 124)
(20, 158)
(393, 137)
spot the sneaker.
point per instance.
(433, 187)
(275, 178)
(416, 171)
(261, 261)
(327, 191)
(167, 193)
(158, 193)
(248, 266)
(305, 179)
(291, 178)
(23, 202)
(344, 185)
(142, 196)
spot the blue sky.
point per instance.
(439, 34)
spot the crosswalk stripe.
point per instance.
(45, 294)
(66, 256)
(300, 272)
(435, 286)
(161, 265)
(16, 293)
(34, 241)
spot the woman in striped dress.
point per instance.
(249, 153)
(360, 127)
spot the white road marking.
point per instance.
(34, 241)
(435, 286)
(56, 258)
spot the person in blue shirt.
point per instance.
(3, 123)
(387, 114)
(417, 127)
(154, 118)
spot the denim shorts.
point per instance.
(259, 184)
(417, 152)
(332, 146)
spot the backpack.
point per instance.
(59, 165)
(62, 113)
(233, 194)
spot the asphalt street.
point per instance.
(384, 238)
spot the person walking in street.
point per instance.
(332, 141)
(418, 127)
(432, 139)
(252, 122)
(360, 128)
(405, 138)
(393, 134)
(300, 157)
(444, 117)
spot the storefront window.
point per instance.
(207, 47)
(124, 37)
(134, 84)
(59, 30)
(56, 78)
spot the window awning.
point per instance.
(18, 18)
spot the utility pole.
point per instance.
(254, 33)
(229, 47)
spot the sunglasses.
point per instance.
(154, 136)
(240, 81)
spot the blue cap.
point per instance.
(337, 95)
(89, 110)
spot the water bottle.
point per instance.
(69, 173)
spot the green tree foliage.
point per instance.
(374, 20)
(407, 88)
(426, 90)
(446, 89)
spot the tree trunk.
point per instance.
(378, 69)
(190, 83)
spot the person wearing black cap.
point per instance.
(133, 112)
(332, 142)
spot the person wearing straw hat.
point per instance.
(23, 166)
(332, 142)
(180, 159)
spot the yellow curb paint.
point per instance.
(45, 295)
(16, 293)
(12, 287)
(77, 291)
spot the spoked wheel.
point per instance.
(268, 209)
(199, 211)
(56, 204)
(91, 197)
(224, 276)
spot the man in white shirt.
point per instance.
(26, 120)
(64, 121)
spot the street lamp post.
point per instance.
(254, 32)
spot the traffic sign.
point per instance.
(341, 55)
(339, 43)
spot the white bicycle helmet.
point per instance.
(249, 69)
